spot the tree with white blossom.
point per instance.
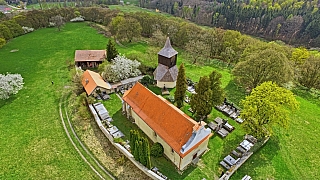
(10, 84)
(121, 68)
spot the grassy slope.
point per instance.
(292, 153)
(33, 143)
(282, 157)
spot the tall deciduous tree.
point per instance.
(310, 73)
(213, 38)
(58, 21)
(10, 84)
(267, 105)
(181, 87)
(231, 43)
(112, 51)
(218, 94)
(158, 38)
(197, 50)
(201, 103)
(128, 29)
(262, 66)
(114, 24)
(299, 55)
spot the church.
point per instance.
(166, 72)
(183, 139)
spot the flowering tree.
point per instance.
(121, 68)
(10, 84)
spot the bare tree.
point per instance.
(58, 21)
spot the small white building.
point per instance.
(183, 139)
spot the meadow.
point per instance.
(34, 145)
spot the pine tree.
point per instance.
(217, 92)
(201, 102)
(112, 52)
(181, 87)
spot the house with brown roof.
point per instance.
(93, 83)
(166, 72)
(89, 58)
(183, 139)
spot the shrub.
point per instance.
(147, 80)
(5, 32)
(77, 19)
(51, 24)
(118, 140)
(2, 42)
(146, 69)
(156, 150)
(27, 29)
(170, 98)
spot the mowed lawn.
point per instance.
(33, 144)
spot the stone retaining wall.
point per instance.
(124, 151)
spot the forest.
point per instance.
(295, 22)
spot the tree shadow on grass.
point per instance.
(230, 143)
(234, 93)
(167, 168)
(4, 102)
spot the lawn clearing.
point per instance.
(34, 144)
(134, 8)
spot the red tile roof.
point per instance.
(169, 122)
(90, 55)
(91, 80)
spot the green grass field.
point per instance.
(33, 143)
(34, 146)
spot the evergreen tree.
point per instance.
(147, 149)
(112, 52)
(136, 154)
(181, 87)
(217, 92)
(201, 102)
(132, 141)
(142, 155)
